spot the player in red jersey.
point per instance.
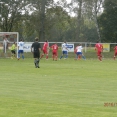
(54, 48)
(99, 49)
(45, 49)
(115, 49)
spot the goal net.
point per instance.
(6, 41)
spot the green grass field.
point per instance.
(63, 88)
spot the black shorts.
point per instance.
(13, 51)
(36, 54)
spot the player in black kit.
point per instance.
(36, 49)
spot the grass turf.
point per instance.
(65, 88)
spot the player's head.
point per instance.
(55, 42)
(6, 35)
(65, 41)
(98, 41)
(36, 39)
(21, 39)
(80, 44)
(46, 40)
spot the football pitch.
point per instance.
(63, 88)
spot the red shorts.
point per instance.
(54, 53)
(115, 53)
(45, 51)
(99, 53)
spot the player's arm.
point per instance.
(40, 50)
(18, 47)
(51, 47)
(66, 48)
(48, 47)
(31, 49)
(102, 48)
(95, 48)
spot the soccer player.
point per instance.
(115, 51)
(99, 49)
(36, 49)
(54, 48)
(13, 47)
(64, 50)
(5, 43)
(21, 49)
(78, 52)
(45, 49)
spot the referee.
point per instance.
(36, 49)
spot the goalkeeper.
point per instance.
(13, 53)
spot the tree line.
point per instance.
(92, 20)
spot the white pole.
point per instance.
(85, 47)
(17, 43)
(5, 46)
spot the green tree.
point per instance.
(108, 21)
(57, 22)
(11, 12)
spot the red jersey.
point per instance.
(54, 48)
(75, 51)
(45, 46)
(115, 48)
(99, 47)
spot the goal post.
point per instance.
(7, 39)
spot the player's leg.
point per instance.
(38, 60)
(76, 56)
(14, 54)
(114, 57)
(62, 55)
(11, 54)
(79, 54)
(66, 54)
(56, 56)
(115, 54)
(99, 56)
(35, 62)
(53, 56)
(22, 52)
(47, 55)
(46, 52)
(42, 54)
(19, 52)
(83, 57)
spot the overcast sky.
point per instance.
(67, 1)
(70, 13)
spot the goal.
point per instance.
(6, 40)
